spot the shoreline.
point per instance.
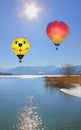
(28, 76)
(75, 91)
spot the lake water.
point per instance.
(28, 104)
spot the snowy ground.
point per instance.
(76, 91)
(27, 76)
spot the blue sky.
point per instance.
(42, 51)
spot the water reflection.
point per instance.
(49, 83)
(28, 118)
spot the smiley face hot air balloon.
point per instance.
(20, 47)
(57, 32)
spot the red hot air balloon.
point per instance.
(57, 32)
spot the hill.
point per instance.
(35, 70)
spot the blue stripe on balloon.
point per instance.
(50, 23)
(61, 22)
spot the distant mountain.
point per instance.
(3, 70)
(35, 70)
(39, 70)
(77, 69)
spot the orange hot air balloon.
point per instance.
(57, 32)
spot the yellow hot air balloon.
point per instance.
(20, 47)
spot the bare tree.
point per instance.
(67, 70)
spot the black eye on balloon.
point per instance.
(15, 42)
(24, 42)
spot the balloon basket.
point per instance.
(20, 61)
(56, 48)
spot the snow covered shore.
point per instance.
(26, 76)
(21, 76)
(76, 91)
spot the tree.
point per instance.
(68, 70)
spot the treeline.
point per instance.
(5, 73)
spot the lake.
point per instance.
(28, 104)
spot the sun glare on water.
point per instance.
(28, 118)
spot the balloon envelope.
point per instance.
(20, 47)
(57, 31)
